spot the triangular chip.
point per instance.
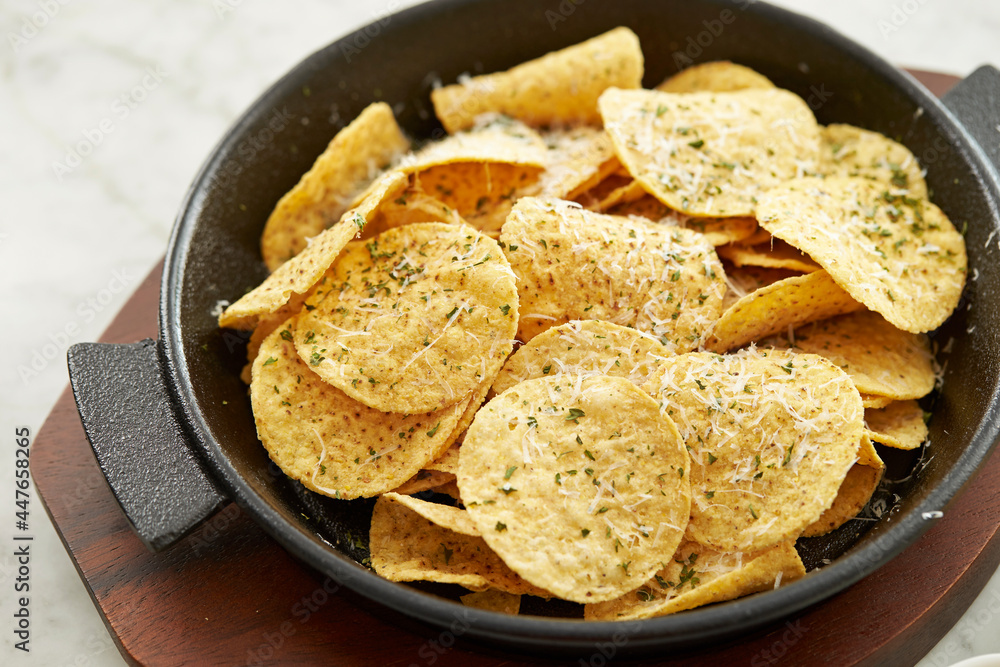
(324, 193)
(298, 275)
(899, 256)
(711, 154)
(560, 88)
(576, 264)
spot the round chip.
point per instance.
(718, 75)
(771, 435)
(574, 498)
(574, 264)
(851, 151)
(328, 441)
(583, 347)
(881, 359)
(711, 154)
(899, 256)
(418, 324)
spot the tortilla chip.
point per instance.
(881, 359)
(578, 159)
(424, 480)
(324, 193)
(298, 275)
(447, 462)
(899, 425)
(774, 254)
(494, 139)
(560, 88)
(331, 443)
(711, 154)
(419, 324)
(698, 575)
(587, 347)
(445, 516)
(407, 547)
(854, 494)
(573, 498)
(870, 401)
(493, 600)
(720, 76)
(743, 280)
(412, 205)
(771, 435)
(575, 264)
(851, 151)
(772, 309)
(901, 257)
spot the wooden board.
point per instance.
(228, 594)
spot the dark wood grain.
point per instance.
(228, 594)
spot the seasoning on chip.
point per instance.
(898, 255)
(711, 154)
(573, 498)
(577, 264)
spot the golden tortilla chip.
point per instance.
(711, 154)
(331, 443)
(407, 547)
(774, 254)
(424, 321)
(575, 499)
(494, 139)
(560, 88)
(447, 462)
(772, 309)
(698, 575)
(298, 275)
(412, 205)
(578, 159)
(870, 401)
(899, 256)
(324, 193)
(574, 264)
(854, 494)
(851, 151)
(899, 425)
(771, 436)
(445, 516)
(719, 76)
(493, 600)
(424, 480)
(881, 359)
(583, 347)
(743, 280)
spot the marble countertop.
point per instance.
(152, 86)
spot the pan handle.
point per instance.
(975, 100)
(160, 483)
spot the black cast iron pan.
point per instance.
(170, 420)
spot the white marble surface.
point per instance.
(155, 84)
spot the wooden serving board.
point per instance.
(229, 594)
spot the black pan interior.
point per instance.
(215, 256)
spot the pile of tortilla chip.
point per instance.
(617, 346)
